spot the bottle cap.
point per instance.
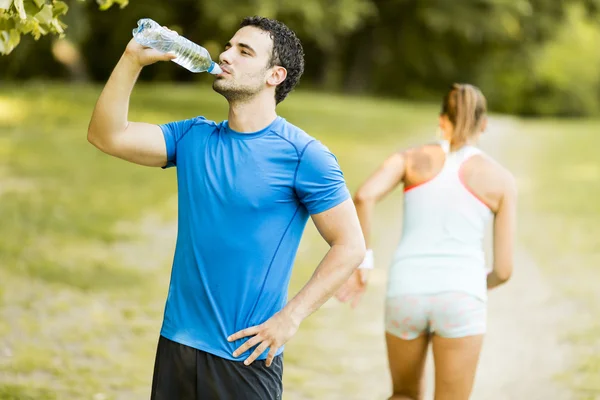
(215, 69)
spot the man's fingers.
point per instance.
(170, 56)
(257, 352)
(271, 356)
(248, 345)
(253, 330)
(163, 56)
(156, 55)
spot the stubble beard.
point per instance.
(234, 92)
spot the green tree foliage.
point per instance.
(35, 18)
(569, 68)
(322, 21)
(557, 77)
(523, 53)
(324, 24)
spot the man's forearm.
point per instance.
(110, 114)
(335, 268)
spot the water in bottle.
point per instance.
(191, 56)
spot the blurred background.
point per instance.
(530, 57)
(86, 240)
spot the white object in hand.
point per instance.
(369, 261)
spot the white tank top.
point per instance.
(441, 248)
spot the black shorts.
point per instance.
(185, 373)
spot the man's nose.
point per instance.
(225, 57)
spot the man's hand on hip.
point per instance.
(272, 334)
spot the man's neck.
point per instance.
(251, 116)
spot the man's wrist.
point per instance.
(131, 62)
(294, 315)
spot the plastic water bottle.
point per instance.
(191, 56)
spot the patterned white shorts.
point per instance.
(448, 314)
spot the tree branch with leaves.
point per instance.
(36, 18)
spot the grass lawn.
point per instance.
(87, 239)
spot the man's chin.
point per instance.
(217, 87)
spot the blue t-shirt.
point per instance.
(244, 200)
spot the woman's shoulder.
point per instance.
(492, 170)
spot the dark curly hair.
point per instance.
(287, 52)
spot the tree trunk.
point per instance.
(330, 70)
(360, 55)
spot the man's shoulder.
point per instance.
(202, 121)
(292, 134)
(194, 125)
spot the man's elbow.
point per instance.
(100, 142)
(93, 137)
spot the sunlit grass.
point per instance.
(88, 239)
(12, 110)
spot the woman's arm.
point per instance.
(375, 188)
(505, 222)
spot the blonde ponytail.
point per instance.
(465, 106)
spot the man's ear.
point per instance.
(277, 75)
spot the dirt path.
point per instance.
(522, 351)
